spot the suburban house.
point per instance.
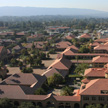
(94, 44)
(20, 34)
(56, 30)
(94, 92)
(6, 42)
(29, 81)
(17, 48)
(52, 71)
(17, 35)
(99, 61)
(103, 40)
(61, 64)
(38, 45)
(69, 36)
(86, 36)
(62, 45)
(102, 34)
(71, 52)
(32, 38)
(103, 48)
(95, 73)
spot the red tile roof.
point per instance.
(20, 34)
(68, 52)
(68, 98)
(102, 40)
(26, 79)
(58, 98)
(95, 72)
(94, 44)
(63, 44)
(50, 72)
(85, 81)
(94, 87)
(106, 43)
(101, 47)
(100, 59)
(70, 37)
(12, 92)
(16, 92)
(61, 64)
(39, 45)
(85, 36)
(33, 36)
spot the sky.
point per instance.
(85, 4)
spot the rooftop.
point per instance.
(26, 79)
(61, 64)
(100, 59)
(63, 44)
(95, 87)
(95, 72)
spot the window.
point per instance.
(93, 98)
(85, 98)
(101, 98)
(104, 91)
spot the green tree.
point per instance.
(97, 106)
(84, 49)
(40, 91)
(27, 70)
(26, 105)
(80, 68)
(24, 52)
(13, 62)
(33, 46)
(48, 56)
(6, 103)
(55, 79)
(52, 51)
(67, 91)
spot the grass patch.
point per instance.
(75, 76)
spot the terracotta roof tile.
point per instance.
(50, 72)
(101, 47)
(102, 40)
(70, 37)
(94, 44)
(61, 64)
(94, 87)
(26, 79)
(12, 92)
(100, 59)
(68, 98)
(63, 44)
(85, 81)
(95, 72)
(85, 36)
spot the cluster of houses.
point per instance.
(94, 90)
(57, 29)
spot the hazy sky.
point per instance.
(88, 4)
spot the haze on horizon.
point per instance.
(83, 4)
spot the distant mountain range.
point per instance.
(34, 11)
